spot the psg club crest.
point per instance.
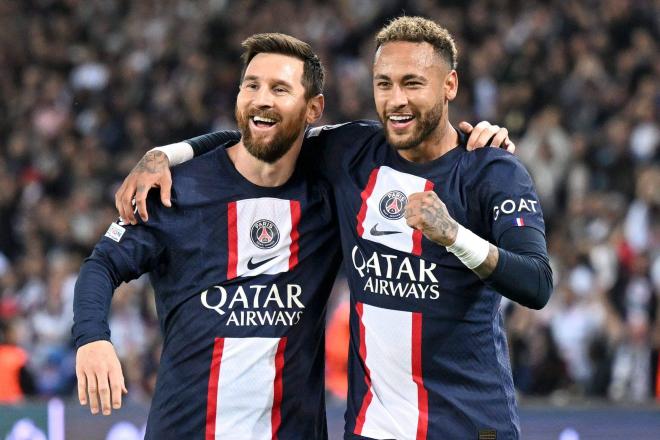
(393, 204)
(264, 234)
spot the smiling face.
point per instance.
(412, 88)
(271, 109)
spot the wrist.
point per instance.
(176, 153)
(468, 247)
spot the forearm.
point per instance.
(210, 141)
(91, 302)
(518, 269)
(180, 152)
(525, 279)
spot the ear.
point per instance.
(315, 108)
(451, 85)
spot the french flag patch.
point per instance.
(519, 221)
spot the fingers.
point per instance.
(104, 392)
(165, 190)
(485, 136)
(92, 391)
(500, 137)
(511, 147)
(476, 134)
(82, 387)
(116, 388)
(124, 200)
(141, 201)
(465, 127)
(481, 134)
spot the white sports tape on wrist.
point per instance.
(176, 153)
(471, 249)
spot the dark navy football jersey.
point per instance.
(428, 352)
(242, 274)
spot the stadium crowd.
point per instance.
(88, 86)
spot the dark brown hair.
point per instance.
(418, 30)
(313, 73)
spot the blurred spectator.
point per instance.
(16, 380)
(88, 86)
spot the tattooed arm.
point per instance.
(519, 269)
(427, 213)
(152, 171)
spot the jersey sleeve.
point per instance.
(124, 253)
(506, 194)
(210, 141)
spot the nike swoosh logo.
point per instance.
(375, 232)
(252, 266)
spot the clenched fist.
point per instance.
(427, 213)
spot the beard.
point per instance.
(426, 124)
(273, 150)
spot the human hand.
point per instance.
(99, 375)
(427, 213)
(152, 171)
(484, 131)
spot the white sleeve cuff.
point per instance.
(176, 153)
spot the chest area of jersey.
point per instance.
(372, 208)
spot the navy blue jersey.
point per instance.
(428, 355)
(428, 352)
(241, 274)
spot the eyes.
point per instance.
(279, 89)
(410, 84)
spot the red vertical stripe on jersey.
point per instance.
(371, 183)
(418, 378)
(212, 397)
(366, 401)
(232, 240)
(417, 235)
(276, 414)
(295, 219)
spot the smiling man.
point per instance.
(242, 266)
(433, 235)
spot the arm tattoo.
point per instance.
(154, 162)
(444, 227)
(488, 266)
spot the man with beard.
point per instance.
(242, 266)
(432, 236)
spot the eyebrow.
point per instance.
(277, 81)
(407, 77)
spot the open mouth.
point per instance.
(400, 121)
(262, 122)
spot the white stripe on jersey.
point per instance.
(384, 221)
(264, 233)
(249, 389)
(397, 404)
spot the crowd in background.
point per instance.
(88, 86)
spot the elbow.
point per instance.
(544, 291)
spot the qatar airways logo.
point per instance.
(256, 305)
(393, 275)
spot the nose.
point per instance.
(398, 98)
(263, 98)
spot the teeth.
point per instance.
(401, 117)
(261, 119)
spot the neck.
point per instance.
(261, 173)
(443, 139)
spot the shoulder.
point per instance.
(348, 130)
(493, 164)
